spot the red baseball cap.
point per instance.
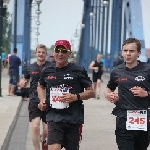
(64, 43)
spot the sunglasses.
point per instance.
(63, 51)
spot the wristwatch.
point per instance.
(78, 96)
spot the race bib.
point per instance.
(55, 94)
(136, 120)
(96, 70)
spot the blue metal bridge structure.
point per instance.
(107, 24)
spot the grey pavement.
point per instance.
(98, 129)
(99, 123)
(9, 109)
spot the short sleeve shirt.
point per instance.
(125, 78)
(32, 72)
(72, 77)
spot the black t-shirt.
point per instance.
(32, 72)
(72, 77)
(125, 78)
(100, 66)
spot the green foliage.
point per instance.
(6, 33)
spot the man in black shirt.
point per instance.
(32, 74)
(133, 81)
(67, 84)
(97, 72)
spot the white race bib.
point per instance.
(55, 94)
(96, 70)
(136, 120)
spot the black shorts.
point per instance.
(25, 92)
(130, 139)
(65, 134)
(34, 112)
(96, 77)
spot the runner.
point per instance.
(97, 72)
(32, 73)
(67, 84)
(133, 81)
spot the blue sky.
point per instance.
(59, 20)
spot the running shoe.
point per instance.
(98, 97)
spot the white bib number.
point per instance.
(55, 94)
(136, 120)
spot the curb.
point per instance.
(11, 128)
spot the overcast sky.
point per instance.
(59, 20)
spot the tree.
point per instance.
(6, 33)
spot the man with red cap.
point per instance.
(66, 84)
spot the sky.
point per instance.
(59, 20)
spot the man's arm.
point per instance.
(19, 61)
(111, 95)
(103, 69)
(87, 94)
(139, 91)
(107, 91)
(41, 94)
(23, 82)
(91, 65)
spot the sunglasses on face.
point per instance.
(63, 51)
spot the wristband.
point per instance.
(78, 96)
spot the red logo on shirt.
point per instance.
(35, 72)
(51, 77)
(121, 79)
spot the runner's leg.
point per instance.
(94, 86)
(98, 88)
(36, 133)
